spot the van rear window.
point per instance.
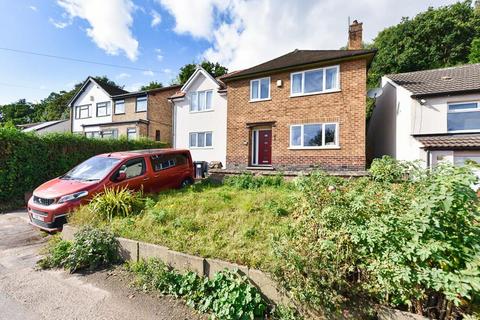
(166, 161)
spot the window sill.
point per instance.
(140, 111)
(315, 148)
(314, 93)
(107, 115)
(464, 131)
(118, 114)
(201, 148)
(259, 100)
(202, 111)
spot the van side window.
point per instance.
(134, 168)
(181, 159)
(165, 161)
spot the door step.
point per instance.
(261, 168)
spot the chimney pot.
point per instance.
(355, 35)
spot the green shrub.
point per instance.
(117, 202)
(387, 169)
(227, 296)
(249, 181)
(413, 244)
(91, 249)
(57, 252)
(27, 160)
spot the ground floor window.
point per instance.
(131, 133)
(105, 134)
(200, 139)
(314, 135)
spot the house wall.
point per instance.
(130, 114)
(214, 120)
(92, 95)
(347, 107)
(160, 114)
(63, 126)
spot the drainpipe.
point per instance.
(428, 159)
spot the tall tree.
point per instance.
(215, 69)
(18, 112)
(152, 85)
(474, 56)
(433, 39)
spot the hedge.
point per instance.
(27, 160)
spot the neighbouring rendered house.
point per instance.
(431, 115)
(54, 126)
(100, 110)
(300, 111)
(200, 118)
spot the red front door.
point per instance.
(264, 147)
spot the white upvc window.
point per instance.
(201, 101)
(321, 80)
(200, 139)
(463, 116)
(119, 107)
(314, 136)
(103, 109)
(131, 133)
(141, 104)
(260, 89)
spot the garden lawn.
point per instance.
(237, 225)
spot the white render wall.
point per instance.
(92, 95)
(214, 120)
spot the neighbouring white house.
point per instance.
(92, 107)
(200, 118)
(431, 115)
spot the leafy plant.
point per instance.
(411, 243)
(91, 248)
(249, 181)
(227, 296)
(117, 202)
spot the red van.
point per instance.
(153, 170)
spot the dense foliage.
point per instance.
(28, 160)
(214, 69)
(226, 296)
(405, 240)
(152, 85)
(91, 249)
(249, 181)
(435, 38)
(116, 202)
(474, 56)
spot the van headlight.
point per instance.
(73, 196)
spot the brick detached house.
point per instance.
(99, 110)
(305, 109)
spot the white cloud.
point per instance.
(246, 32)
(167, 71)
(123, 75)
(149, 73)
(156, 18)
(134, 86)
(110, 23)
(59, 24)
(33, 8)
(159, 54)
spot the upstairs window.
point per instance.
(119, 106)
(201, 101)
(321, 80)
(463, 116)
(260, 89)
(82, 112)
(141, 104)
(200, 139)
(103, 109)
(316, 135)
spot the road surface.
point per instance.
(29, 294)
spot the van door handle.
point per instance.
(145, 179)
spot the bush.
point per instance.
(227, 296)
(412, 244)
(27, 159)
(116, 202)
(91, 249)
(249, 181)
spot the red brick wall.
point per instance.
(160, 114)
(346, 107)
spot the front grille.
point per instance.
(43, 213)
(43, 201)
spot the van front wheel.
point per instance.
(185, 183)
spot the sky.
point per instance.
(134, 42)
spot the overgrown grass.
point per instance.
(224, 222)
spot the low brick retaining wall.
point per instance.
(137, 250)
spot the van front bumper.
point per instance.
(50, 218)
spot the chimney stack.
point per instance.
(355, 35)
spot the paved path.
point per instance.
(28, 294)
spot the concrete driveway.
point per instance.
(28, 294)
